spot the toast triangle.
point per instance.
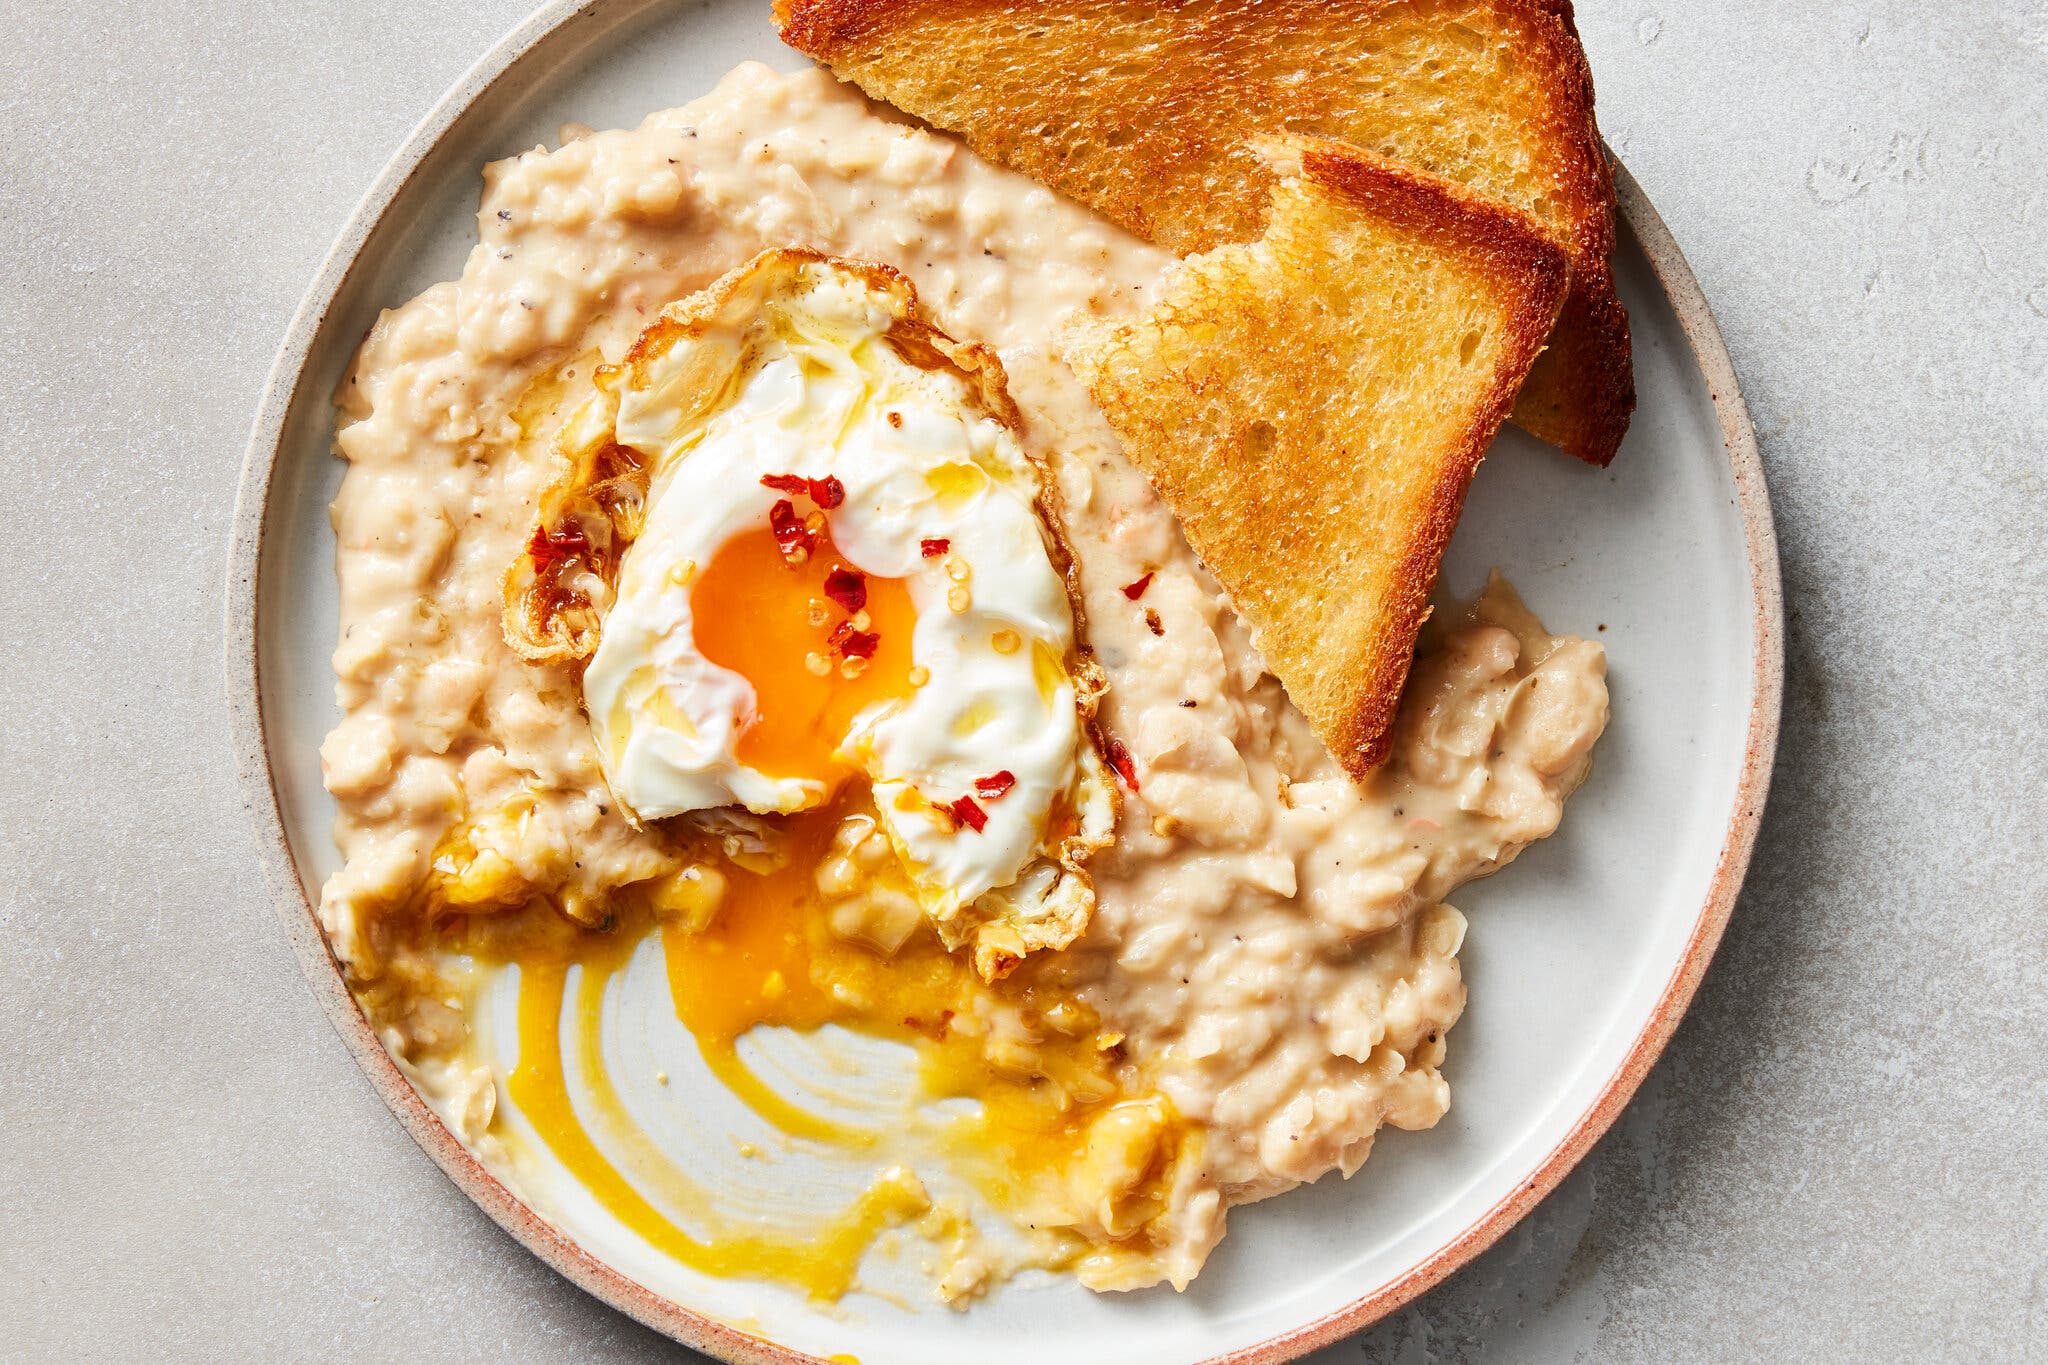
(1312, 406)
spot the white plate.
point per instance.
(1579, 961)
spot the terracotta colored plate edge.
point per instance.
(1760, 749)
(295, 902)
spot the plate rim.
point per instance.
(549, 25)
(1738, 435)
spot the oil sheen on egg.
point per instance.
(843, 574)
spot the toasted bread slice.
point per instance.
(1144, 109)
(1312, 405)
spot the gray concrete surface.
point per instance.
(1841, 1157)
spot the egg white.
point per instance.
(813, 399)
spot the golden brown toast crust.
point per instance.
(1313, 405)
(1144, 109)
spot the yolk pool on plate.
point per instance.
(1053, 1108)
(822, 1264)
(771, 622)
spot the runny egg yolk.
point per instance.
(769, 618)
(1053, 1108)
(1058, 1136)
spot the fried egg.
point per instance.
(843, 575)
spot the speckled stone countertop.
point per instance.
(1840, 1158)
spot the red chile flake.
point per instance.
(847, 587)
(934, 546)
(791, 535)
(967, 813)
(1120, 759)
(1136, 590)
(859, 644)
(827, 492)
(563, 542)
(990, 788)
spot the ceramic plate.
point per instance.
(1579, 961)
